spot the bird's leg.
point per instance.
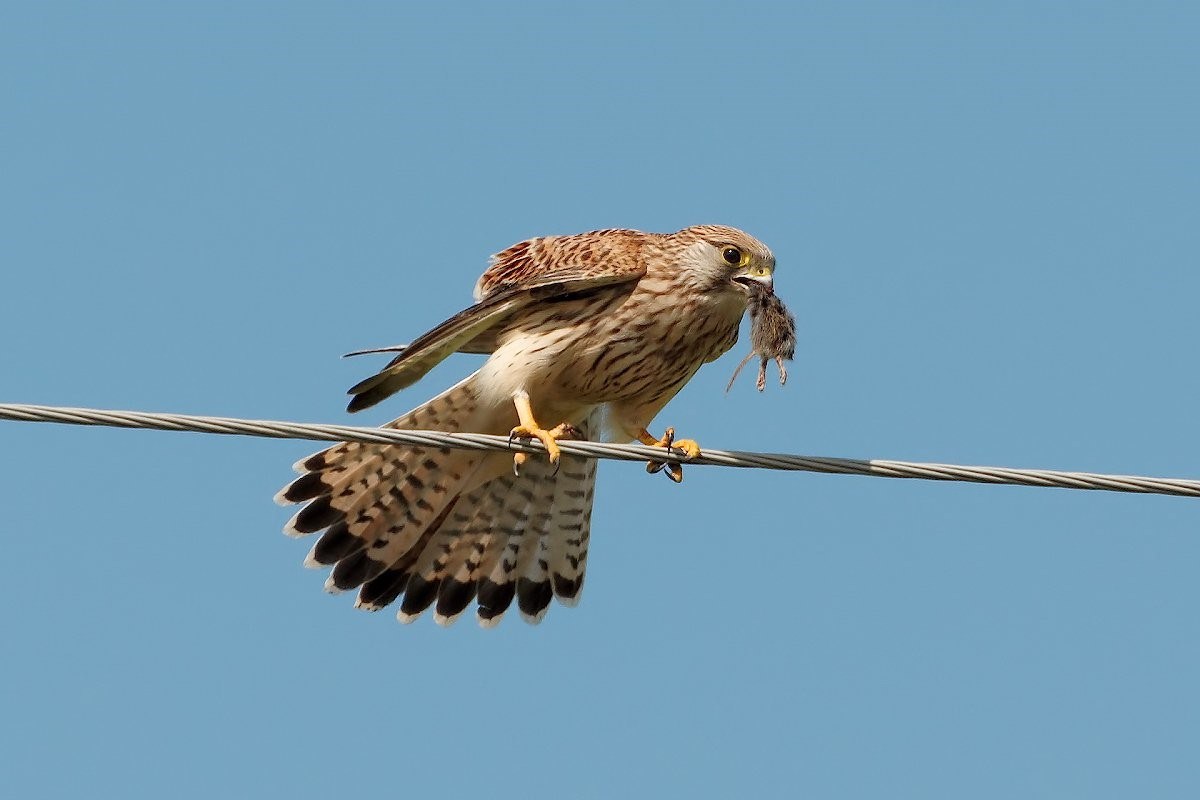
(529, 429)
(688, 446)
(668, 441)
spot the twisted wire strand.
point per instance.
(623, 452)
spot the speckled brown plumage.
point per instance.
(603, 325)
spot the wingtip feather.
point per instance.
(445, 620)
(362, 606)
(534, 619)
(289, 527)
(490, 622)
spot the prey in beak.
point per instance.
(751, 282)
(772, 334)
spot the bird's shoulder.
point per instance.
(608, 254)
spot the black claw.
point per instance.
(674, 470)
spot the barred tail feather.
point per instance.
(374, 501)
(442, 527)
(546, 542)
(567, 539)
(529, 567)
(460, 573)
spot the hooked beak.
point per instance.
(756, 277)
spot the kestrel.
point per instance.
(599, 328)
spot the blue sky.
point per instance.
(985, 220)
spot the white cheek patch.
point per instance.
(703, 261)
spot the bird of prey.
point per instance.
(585, 331)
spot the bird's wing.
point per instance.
(457, 333)
(529, 272)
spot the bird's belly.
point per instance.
(599, 353)
(646, 360)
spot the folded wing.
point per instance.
(525, 274)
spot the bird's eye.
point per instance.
(732, 255)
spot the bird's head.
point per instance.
(727, 258)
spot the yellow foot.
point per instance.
(529, 429)
(669, 442)
(548, 438)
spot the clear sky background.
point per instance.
(985, 217)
